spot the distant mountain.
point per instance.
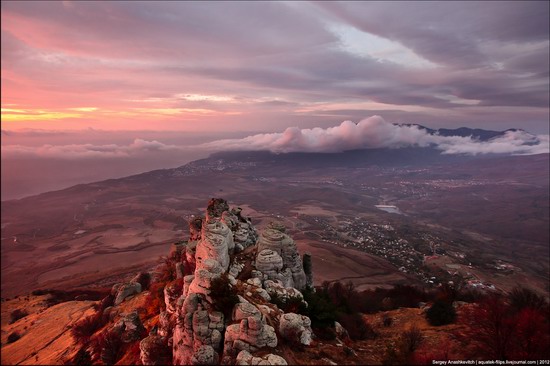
(476, 133)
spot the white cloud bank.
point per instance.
(375, 132)
(79, 151)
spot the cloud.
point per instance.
(188, 56)
(375, 132)
(85, 151)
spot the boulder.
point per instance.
(205, 355)
(126, 290)
(269, 262)
(129, 327)
(274, 239)
(250, 334)
(341, 332)
(295, 328)
(246, 358)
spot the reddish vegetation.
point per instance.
(497, 330)
(86, 327)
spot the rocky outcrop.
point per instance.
(166, 324)
(123, 291)
(276, 289)
(296, 328)
(129, 327)
(273, 238)
(250, 334)
(244, 233)
(209, 270)
(216, 207)
(196, 329)
(216, 242)
(246, 358)
(194, 326)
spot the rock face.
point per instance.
(171, 295)
(277, 242)
(216, 243)
(198, 333)
(194, 326)
(295, 328)
(244, 233)
(209, 270)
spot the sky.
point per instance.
(129, 80)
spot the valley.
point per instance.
(482, 221)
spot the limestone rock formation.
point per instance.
(194, 326)
(246, 358)
(274, 239)
(244, 233)
(204, 275)
(129, 327)
(216, 242)
(250, 334)
(295, 328)
(126, 290)
(277, 289)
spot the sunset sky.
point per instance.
(264, 66)
(103, 89)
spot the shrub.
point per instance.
(82, 357)
(14, 336)
(17, 314)
(404, 350)
(495, 330)
(224, 296)
(86, 327)
(167, 271)
(441, 313)
(522, 298)
(144, 279)
(357, 327)
(107, 301)
(291, 304)
(320, 310)
(407, 296)
(109, 346)
(410, 340)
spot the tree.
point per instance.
(489, 329)
(441, 313)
